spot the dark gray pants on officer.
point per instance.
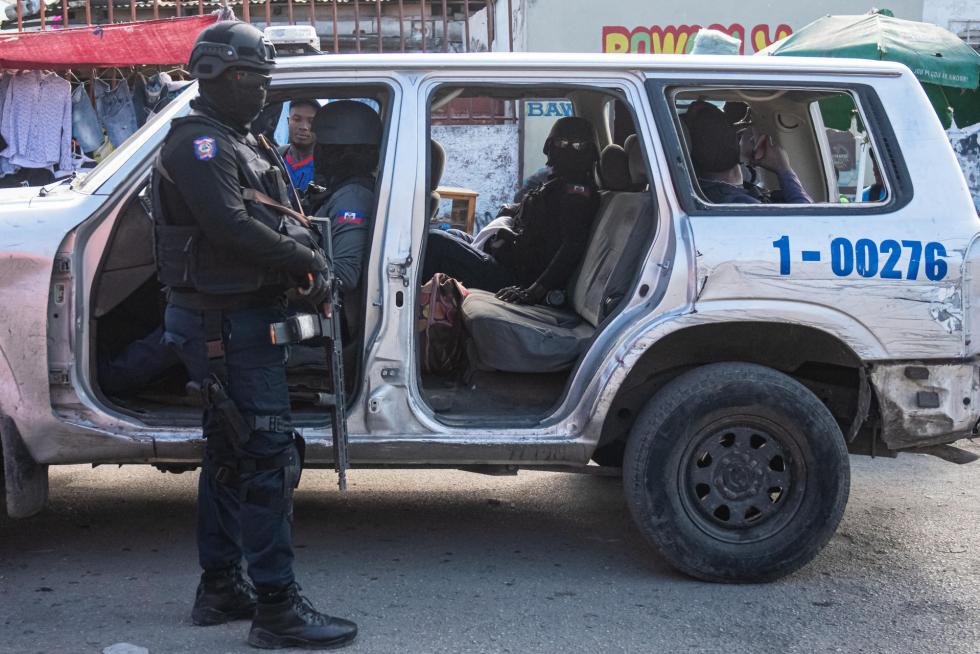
(244, 504)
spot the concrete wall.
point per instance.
(590, 26)
(966, 145)
(483, 158)
(941, 12)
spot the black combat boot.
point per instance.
(289, 620)
(223, 596)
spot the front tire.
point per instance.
(736, 473)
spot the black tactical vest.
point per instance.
(187, 260)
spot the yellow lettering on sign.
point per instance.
(674, 39)
(615, 39)
(761, 38)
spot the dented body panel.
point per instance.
(926, 404)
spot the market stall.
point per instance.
(69, 97)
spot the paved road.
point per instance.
(444, 561)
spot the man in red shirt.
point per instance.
(299, 152)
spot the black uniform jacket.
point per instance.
(552, 226)
(206, 161)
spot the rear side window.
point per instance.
(777, 148)
(848, 150)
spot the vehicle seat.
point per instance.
(638, 177)
(540, 339)
(613, 168)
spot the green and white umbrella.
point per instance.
(948, 68)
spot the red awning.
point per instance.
(165, 42)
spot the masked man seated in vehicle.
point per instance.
(345, 159)
(716, 152)
(348, 136)
(534, 259)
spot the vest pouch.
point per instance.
(216, 271)
(187, 260)
(174, 252)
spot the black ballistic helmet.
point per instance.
(227, 44)
(347, 122)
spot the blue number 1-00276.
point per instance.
(869, 259)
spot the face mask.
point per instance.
(239, 96)
(571, 161)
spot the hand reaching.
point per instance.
(770, 156)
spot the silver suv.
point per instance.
(725, 355)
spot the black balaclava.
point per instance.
(238, 99)
(576, 165)
(334, 163)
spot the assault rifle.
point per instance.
(325, 324)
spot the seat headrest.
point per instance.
(437, 163)
(614, 169)
(637, 165)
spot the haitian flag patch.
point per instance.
(350, 218)
(205, 148)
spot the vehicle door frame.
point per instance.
(126, 177)
(576, 410)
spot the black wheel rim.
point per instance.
(742, 478)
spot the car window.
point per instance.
(779, 146)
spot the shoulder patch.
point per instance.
(205, 148)
(349, 217)
(578, 189)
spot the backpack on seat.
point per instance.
(440, 325)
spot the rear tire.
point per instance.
(736, 473)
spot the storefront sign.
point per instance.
(548, 109)
(675, 39)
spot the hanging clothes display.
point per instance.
(6, 168)
(50, 126)
(114, 107)
(36, 121)
(85, 126)
(153, 93)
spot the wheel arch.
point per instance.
(821, 361)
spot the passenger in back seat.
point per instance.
(550, 228)
(716, 151)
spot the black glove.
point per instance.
(517, 295)
(317, 290)
(313, 197)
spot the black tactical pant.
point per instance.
(455, 257)
(250, 513)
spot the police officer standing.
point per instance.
(227, 256)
